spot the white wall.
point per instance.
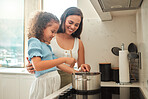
(99, 37)
(142, 38)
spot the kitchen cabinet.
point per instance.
(15, 86)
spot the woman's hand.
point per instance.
(29, 67)
(85, 68)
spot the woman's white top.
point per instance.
(60, 52)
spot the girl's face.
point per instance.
(72, 23)
(49, 31)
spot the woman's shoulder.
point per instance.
(80, 43)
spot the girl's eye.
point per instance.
(52, 31)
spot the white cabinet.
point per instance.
(25, 84)
(15, 86)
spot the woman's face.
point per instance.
(49, 31)
(72, 23)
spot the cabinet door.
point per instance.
(9, 86)
(25, 84)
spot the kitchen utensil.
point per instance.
(71, 53)
(132, 48)
(72, 57)
(115, 50)
(133, 55)
(86, 81)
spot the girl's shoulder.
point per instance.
(33, 39)
(34, 42)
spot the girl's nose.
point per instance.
(53, 34)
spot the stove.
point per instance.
(103, 93)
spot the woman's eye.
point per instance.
(77, 25)
(70, 22)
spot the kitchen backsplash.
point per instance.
(99, 38)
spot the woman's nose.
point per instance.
(72, 26)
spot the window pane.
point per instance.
(57, 7)
(11, 33)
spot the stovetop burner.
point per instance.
(104, 93)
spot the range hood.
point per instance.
(117, 5)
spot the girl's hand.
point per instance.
(29, 67)
(70, 61)
(85, 68)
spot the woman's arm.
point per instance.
(40, 65)
(81, 58)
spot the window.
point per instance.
(57, 7)
(11, 33)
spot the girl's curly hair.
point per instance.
(39, 23)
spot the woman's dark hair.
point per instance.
(39, 23)
(68, 12)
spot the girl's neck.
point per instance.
(45, 42)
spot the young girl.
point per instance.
(42, 29)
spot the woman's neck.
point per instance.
(64, 36)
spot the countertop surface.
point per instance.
(4, 70)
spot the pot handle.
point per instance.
(84, 79)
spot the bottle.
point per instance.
(122, 46)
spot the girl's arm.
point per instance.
(40, 65)
(66, 68)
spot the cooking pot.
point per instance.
(86, 81)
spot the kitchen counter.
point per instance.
(103, 84)
(4, 70)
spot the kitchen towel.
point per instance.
(123, 67)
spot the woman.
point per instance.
(67, 43)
